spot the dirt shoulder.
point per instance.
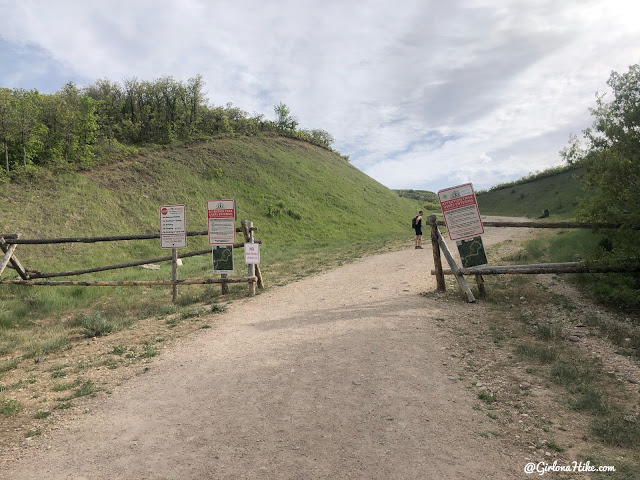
(361, 372)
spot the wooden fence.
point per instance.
(439, 246)
(9, 243)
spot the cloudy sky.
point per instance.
(421, 94)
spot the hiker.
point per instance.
(417, 226)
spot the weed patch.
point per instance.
(618, 430)
(541, 353)
(9, 407)
(217, 308)
(95, 325)
(487, 397)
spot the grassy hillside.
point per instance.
(304, 199)
(424, 196)
(558, 194)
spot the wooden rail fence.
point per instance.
(9, 243)
(439, 246)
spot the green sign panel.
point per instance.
(472, 252)
(222, 258)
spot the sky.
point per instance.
(421, 94)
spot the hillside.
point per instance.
(557, 193)
(424, 196)
(302, 197)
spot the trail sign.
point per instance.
(221, 217)
(460, 210)
(472, 252)
(252, 253)
(173, 230)
(222, 256)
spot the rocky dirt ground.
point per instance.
(360, 372)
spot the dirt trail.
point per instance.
(341, 375)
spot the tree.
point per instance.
(610, 158)
(284, 122)
(322, 137)
(6, 122)
(27, 109)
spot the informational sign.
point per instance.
(173, 227)
(222, 256)
(472, 252)
(460, 211)
(252, 253)
(221, 216)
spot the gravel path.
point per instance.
(340, 375)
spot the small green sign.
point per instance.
(222, 258)
(472, 252)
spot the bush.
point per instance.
(95, 325)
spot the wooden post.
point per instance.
(14, 261)
(225, 285)
(482, 293)
(437, 260)
(251, 267)
(174, 274)
(7, 257)
(454, 268)
(248, 237)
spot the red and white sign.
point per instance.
(460, 210)
(252, 253)
(173, 229)
(221, 219)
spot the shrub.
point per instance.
(95, 325)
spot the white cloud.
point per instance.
(418, 93)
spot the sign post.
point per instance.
(462, 217)
(173, 235)
(221, 216)
(221, 220)
(460, 210)
(173, 231)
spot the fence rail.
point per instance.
(14, 238)
(592, 226)
(9, 242)
(131, 283)
(568, 267)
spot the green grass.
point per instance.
(312, 208)
(541, 353)
(487, 398)
(216, 308)
(8, 366)
(9, 407)
(557, 193)
(95, 325)
(619, 430)
(83, 389)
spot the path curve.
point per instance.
(340, 375)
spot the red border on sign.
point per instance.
(221, 213)
(465, 204)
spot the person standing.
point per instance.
(418, 228)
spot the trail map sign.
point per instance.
(472, 252)
(173, 230)
(222, 258)
(460, 211)
(221, 216)
(252, 253)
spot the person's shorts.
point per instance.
(418, 230)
